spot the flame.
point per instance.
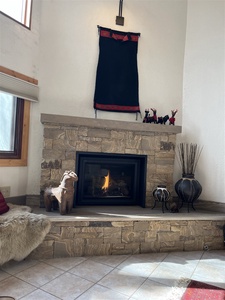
(106, 184)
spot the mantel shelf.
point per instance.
(109, 124)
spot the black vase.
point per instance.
(188, 189)
(161, 194)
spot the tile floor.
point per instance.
(144, 276)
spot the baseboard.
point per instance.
(33, 200)
(30, 200)
(18, 200)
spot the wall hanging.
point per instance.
(116, 87)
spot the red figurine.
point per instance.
(172, 119)
(154, 117)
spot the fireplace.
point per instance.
(110, 179)
(131, 142)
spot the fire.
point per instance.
(106, 184)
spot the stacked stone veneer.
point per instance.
(87, 238)
(64, 135)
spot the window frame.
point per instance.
(25, 16)
(10, 162)
(16, 153)
(22, 161)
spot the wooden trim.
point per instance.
(18, 75)
(25, 13)
(24, 153)
(26, 125)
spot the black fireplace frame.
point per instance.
(139, 163)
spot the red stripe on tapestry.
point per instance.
(108, 34)
(117, 107)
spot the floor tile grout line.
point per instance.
(41, 287)
(49, 264)
(108, 288)
(9, 275)
(139, 287)
(91, 257)
(97, 283)
(14, 276)
(38, 289)
(68, 271)
(197, 264)
(36, 262)
(168, 254)
(85, 291)
(113, 268)
(49, 293)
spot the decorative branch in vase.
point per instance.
(188, 157)
(188, 188)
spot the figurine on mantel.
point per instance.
(172, 119)
(145, 120)
(148, 118)
(154, 117)
(159, 120)
(163, 120)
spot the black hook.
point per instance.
(120, 8)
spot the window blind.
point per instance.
(18, 87)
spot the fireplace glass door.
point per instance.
(110, 179)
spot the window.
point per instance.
(11, 124)
(16, 93)
(18, 10)
(14, 133)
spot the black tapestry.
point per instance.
(116, 86)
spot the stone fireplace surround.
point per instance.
(64, 135)
(75, 235)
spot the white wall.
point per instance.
(204, 93)
(19, 51)
(68, 53)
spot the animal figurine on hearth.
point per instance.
(172, 119)
(174, 207)
(63, 193)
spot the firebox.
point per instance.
(110, 179)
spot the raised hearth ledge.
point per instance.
(108, 124)
(128, 231)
